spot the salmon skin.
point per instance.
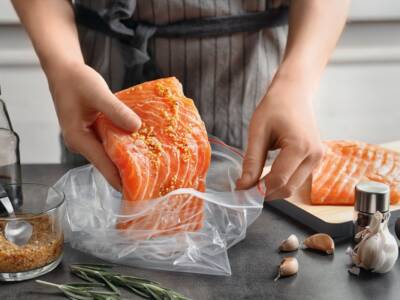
(170, 151)
(345, 164)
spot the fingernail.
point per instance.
(270, 197)
(139, 124)
(270, 190)
(244, 178)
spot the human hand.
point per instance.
(79, 95)
(283, 120)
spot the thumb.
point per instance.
(119, 113)
(253, 162)
(88, 145)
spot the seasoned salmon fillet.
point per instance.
(345, 164)
(170, 151)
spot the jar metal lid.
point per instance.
(371, 196)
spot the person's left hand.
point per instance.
(284, 120)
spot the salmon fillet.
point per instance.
(345, 164)
(170, 151)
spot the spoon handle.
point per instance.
(6, 202)
(8, 206)
(3, 192)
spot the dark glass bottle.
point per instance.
(10, 166)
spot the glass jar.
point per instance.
(43, 209)
(370, 197)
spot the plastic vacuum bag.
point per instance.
(93, 216)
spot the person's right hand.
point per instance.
(80, 94)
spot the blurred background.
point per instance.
(359, 96)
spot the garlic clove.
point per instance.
(290, 244)
(289, 266)
(321, 242)
(354, 271)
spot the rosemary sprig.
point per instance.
(99, 277)
(142, 287)
(82, 291)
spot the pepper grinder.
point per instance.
(370, 197)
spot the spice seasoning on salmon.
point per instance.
(170, 151)
(345, 164)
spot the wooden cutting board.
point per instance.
(334, 220)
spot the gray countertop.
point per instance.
(254, 264)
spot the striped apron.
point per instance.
(225, 75)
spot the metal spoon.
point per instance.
(17, 232)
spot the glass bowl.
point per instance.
(42, 207)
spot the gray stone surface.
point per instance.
(254, 263)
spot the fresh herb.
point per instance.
(82, 291)
(100, 276)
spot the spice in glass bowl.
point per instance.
(44, 247)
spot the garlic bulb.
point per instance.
(290, 244)
(378, 250)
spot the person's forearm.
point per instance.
(314, 29)
(51, 27)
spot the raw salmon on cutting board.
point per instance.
(345, 164)
(336, 220)
(170, 151)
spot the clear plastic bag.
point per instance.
(93, 212)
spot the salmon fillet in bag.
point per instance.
(93, 208)
(170, 151)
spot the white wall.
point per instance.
(359, 95)
(24, 89)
